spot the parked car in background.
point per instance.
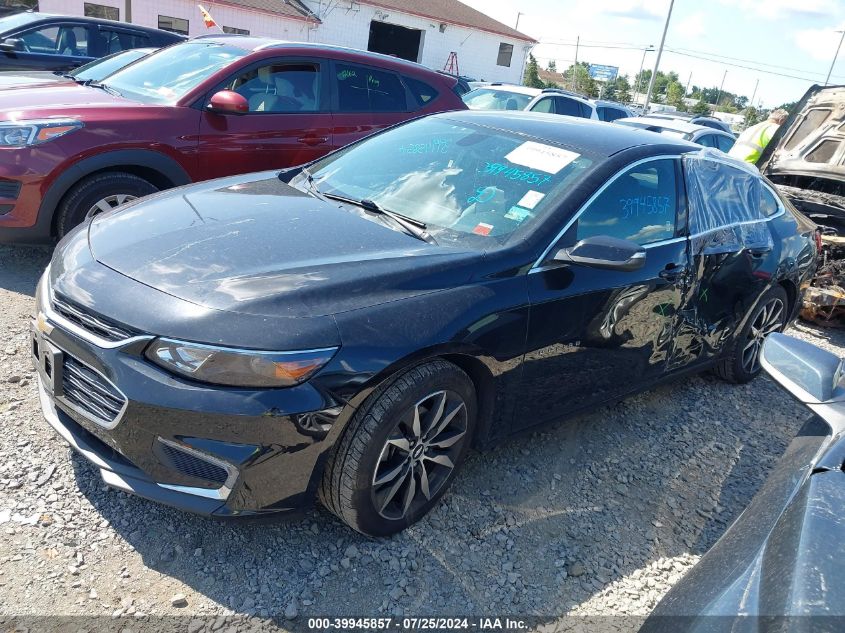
(39, 41)
(611, 110)
(806, 157)
(781, 560)
(209, 107)
(696, 119)
(512, 97)
(678, 128)
(92, 71)
(355, 325)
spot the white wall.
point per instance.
(477, 51)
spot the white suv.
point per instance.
(512, 97)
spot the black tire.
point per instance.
(349, 488)
(734, 367)
(89, 191)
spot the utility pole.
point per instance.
(833, 63)
(722, 85)
(689, 81)
(754, 94)
(648, 48)
(657, 61)
(517, 20)
(575, 67)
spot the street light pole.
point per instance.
(754, 94)
(648, 48)
(516, 28)
(657, 61)
(833, 63)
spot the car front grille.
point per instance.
(9, 188)
(91, 393)
(192, 464)
(94, 324)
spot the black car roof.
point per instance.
(46, 18)
(600, 138)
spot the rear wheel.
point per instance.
(99, 193)
(401, 450)
(742, 364)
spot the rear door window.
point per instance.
(640, 205)
(564, 105)
(364, 89)
(114, 41)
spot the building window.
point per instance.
(176, 25)
(505, 54)
(235, 31)
(101, 11)
(17, 5)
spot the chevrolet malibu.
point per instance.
(347, 330)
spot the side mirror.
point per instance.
(603, 251)
(809, 373)
(11, 44)
(228, 102)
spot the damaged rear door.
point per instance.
(734, 258)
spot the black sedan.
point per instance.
(40, 41)
(349, 329)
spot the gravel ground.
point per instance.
(596, 516)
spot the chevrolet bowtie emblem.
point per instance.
(41, 324)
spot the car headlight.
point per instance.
(237, 368)
(25, 133)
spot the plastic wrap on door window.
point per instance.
(725, 204)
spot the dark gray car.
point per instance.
(779, 566)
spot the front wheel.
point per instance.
(97, 194)
(401, 450)
(742, 364)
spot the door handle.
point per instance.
(313, 140)
(759, 252)
(673, 274)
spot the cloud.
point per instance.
(650, 231)
(779, 9)
(633, 9)
(820, 44)
(691, 27)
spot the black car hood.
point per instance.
(255, 245)
(814, 130)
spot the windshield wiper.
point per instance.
(102, 86)
(414, 228)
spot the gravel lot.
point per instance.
(596, 516)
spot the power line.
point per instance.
(724, 63)
(740, 59)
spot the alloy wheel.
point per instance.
(110, 202)
(419, 455)
(768, 320)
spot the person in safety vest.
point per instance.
(750, 144)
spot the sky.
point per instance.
(750, 39)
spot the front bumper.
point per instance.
(208, 450)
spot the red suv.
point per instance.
(213, 106)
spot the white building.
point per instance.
(424, 31)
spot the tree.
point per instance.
(552, 67)
(617, 90)
(577, 78)
(675, 95)
(532, 74)
(701, 107)
(752, 116)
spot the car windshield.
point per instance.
(100, 68)
(495, 99)
(468, 183)
(166, 76)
